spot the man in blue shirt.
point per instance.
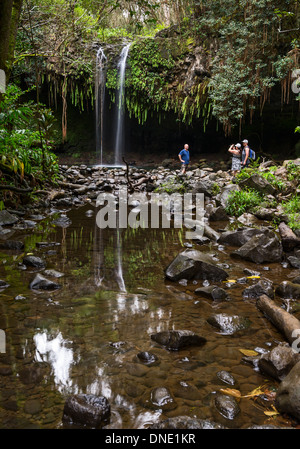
(184, 157)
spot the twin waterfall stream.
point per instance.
(100, 80)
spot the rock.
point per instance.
(247, 219)
(278, 362)
(33, 261)
(222, 197)
(296, 280)
(228, 324)
(32, 406)
(262, 287)
(12, 244)
(264, 213)
(86, 409)
(226, 405)
(63, 221)
(186, 391)
(205, 186)
(162, 397)
(185, 422)
(294, 261)
(42, 283)
(240, 237)
(178, 339)
(261, 248)
(193, 264)
(288, 237)
(212, 292)
(31, 374)
(288, 290)
(7, 219)
(288, 394)
(53, 273)
(148, 358)
(226, 377)
(136, 369)
(218, 214)
(258, 183)
(3, 284)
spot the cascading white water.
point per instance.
(100, 80)
(120, 102)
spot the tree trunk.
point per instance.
(9, 19)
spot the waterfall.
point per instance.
(100, 80)
(120, 102)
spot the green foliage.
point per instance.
(292, 209)
(293, 171)
(241, 201)
(25, 135)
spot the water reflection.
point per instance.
(56, 352)
(102, 255)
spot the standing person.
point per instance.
(235, 150)
(245, 154)
(184, 157)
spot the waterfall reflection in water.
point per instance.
(101, 276)
(55, 352)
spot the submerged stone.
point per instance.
(193, 264)
(86, 409)
(175, 340)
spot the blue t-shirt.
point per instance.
(185, 156)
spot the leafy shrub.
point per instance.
(241, 201)
(25, 136)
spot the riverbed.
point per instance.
(85, 336)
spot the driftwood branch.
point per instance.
(281, 319)
(15, 189)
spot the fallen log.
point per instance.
(286, 323)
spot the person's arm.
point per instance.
(230, 149)
(247, 155)
(179, 155)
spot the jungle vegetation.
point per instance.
(198, 59)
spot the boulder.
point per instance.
(261, 248)
(218, 214)
(278, 362)
(178, 339)
(86, 409)
(262, 287)
(12, 244)
(226, 405)
(288, 290)
(228, 324)
(42, 283)
(33, 261)
(240, 237)
(212, 292)
(222, 197)
(226, 377)
(258, 183)
(6, 218)
(287, 398)
(294, 261)
(148, 358)
(288, 237)
(194, 264)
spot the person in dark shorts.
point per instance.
(245, 154)
(184, 157)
